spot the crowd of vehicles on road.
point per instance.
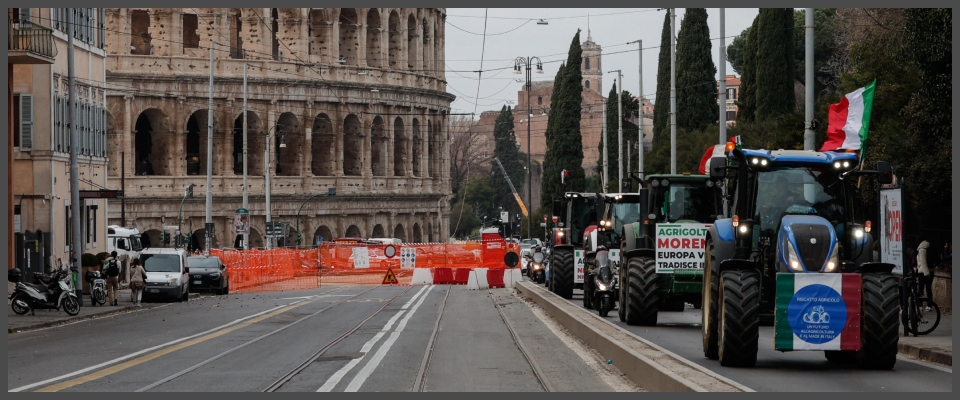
(748, 243)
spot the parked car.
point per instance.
(208, 273)
(167, 273)
(525, 255)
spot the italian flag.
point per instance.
(849, 120)
(817, 312)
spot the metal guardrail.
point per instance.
(27, 36)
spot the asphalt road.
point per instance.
(254, 341)
(797, 371)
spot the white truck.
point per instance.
(125, 241)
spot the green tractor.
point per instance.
(795, 249)
(663, 254)
(615, 210)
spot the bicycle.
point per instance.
(917, 319)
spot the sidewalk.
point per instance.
(48, 318)
(935, 347)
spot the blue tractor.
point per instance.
(794, 251)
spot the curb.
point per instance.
(926, 354)
(644, 371)
(70, 320)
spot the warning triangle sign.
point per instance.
(390, 278)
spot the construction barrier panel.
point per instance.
(258, 270)
(495, 278)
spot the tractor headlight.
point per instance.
(560, 233)
(743, 228)
(834, 259)
(793, 261)
(858, 233)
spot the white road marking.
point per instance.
(338, 376)
(928, 364)
(144, 351)
(374, 362)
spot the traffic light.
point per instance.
(165, 238)
(189, 192)
(298, 238)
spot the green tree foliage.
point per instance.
(564, 141)
(508, 153)
(463, 220)
(775, 63)
(691, 144)
(479, 193)
(661, 113)
(747, 99)
(630, 132)
(736, 51)
(696, 73)
(824, 46)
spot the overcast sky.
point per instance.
(511, 33)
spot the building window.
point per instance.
(731, 93)
(587, 84)
(586, 61)
(539, 100)
(23, 121)
(731, 115)
(140, 32)
(191, 39)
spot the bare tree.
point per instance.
(466, 150)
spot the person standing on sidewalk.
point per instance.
(924, 273)
(112, 270)
(138, 281)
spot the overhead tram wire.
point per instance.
(482, 50)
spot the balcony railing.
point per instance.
(31, 38)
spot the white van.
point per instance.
(386, 240)
(166, 273)
(124, 241)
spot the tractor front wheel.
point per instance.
(643, 295)
(739, 318)
(879, 321)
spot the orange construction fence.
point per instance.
(298, 269)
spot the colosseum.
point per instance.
(352, 99)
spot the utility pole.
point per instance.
(605, 148)
(642, 134)
(723, 84)
(809, 137)
(76, 247)
(620, 126)
(208, 228)
(123, 188)
(673, 91)
(527, 62)
(246, 204)
(266, 168)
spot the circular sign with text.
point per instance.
(390, 251)
(817, 314)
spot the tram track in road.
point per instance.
(289, 375)
(420, 383)
(534, 365)
(252, 341)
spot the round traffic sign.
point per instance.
(390, 251)
(511, 259)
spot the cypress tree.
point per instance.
(775, 63)
(747, 100)
(612, 151)
(508, 153)
(564, 141)
(661, 113)
(696, 72)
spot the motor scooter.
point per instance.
(603, 289)
(537, 268)
(46, 292)
(98, 288)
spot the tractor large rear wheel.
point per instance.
(739, 318)
(879, 321)
(561, 272)
(711, 284)
(643, 296)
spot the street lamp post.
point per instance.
(527, 63)
(331, 194)
(276, 131)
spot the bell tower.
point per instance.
(590, 67)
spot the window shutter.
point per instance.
(26, 122)
(100, 21)
(24, 15)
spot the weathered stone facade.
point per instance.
(357, 96)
